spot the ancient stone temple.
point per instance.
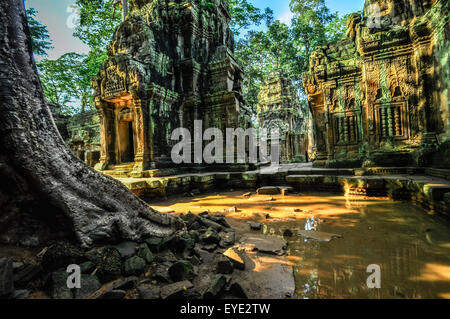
(84, 137)
(380, 96)
(170, 63)
(279, 107)
(81, 133)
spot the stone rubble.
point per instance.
(205, 262)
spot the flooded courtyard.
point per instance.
(411, 247)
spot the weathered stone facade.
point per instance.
(279, 107)
(80, 132)
(170, 63)
(84, 137)
(380, 96)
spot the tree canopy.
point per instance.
(244, 15)
(275, 47)
(284, 48)
(39, 34)
(67, 81)
(97, 23)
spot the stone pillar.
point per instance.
(345, 126)
(107, 136)
(321, 133)
(141, 126)
(124, 9)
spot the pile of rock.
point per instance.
(156, 268)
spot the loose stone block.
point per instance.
(235, 258)
(134, 266)
(268, 190)
(175, 290)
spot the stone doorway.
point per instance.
(126, 142)
(125, 132)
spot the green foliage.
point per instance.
(39, 34)
(253, 63)
(244, 15)
(66, 81)
(56, 80)
(97, 24)
(207, 3)
(279, 48)
(313, 25)
(262, 53)
(314, 20)
(287, 49)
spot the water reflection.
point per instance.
(396, 236)
(411, 247)
(312, 223)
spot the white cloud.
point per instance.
(74, 18)
(286, 17)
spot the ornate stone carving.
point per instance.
(170, 63)
(381, 89)
(279, 107)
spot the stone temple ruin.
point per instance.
(380, 96)
(170, 63)
(279, 107)
(80, 132)
(84, 137)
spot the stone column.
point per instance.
(124, 9)
(321, 133)
(107, 135)
(424, 63)
(117, 135)
(345, 126)
(141, 126)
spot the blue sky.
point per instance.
(56, 16)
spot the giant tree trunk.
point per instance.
(44, 188)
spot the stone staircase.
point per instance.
(429, 188)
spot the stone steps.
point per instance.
(124, 166)
(322, 171)
(431, 192)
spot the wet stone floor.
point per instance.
(411, 246)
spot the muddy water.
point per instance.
(411, 247)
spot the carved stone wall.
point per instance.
(84, 137)
(279, 107)
(170, 63)
(81, 133)
(380, 96)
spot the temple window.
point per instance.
(390, 121)
(346, 129)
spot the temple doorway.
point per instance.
(126, 142)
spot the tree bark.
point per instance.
(44, 189)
